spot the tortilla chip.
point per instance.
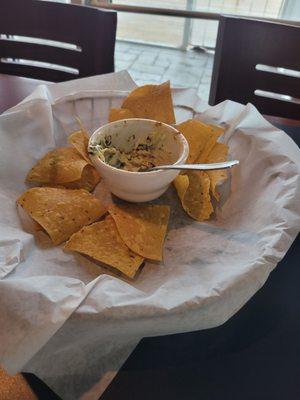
(27, 222)
(61, 212)
(217, 129)
(80, 141)
(218, 154)
(211, 140)
(181, 183)
(142, 227)
(89, 180)
(194, 196)
(197, 134)
(115, 114)
(151, 102)
(102, 242)
(59, 166)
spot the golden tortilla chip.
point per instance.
(80, 141)
(197, 134)
(217, 129)
(59, 166)
(102, 242)
(194, 194)
(218, 154)
(211, 140)
(181, 183)
(115, 114)
(89, 180)
(61, 212)
(151, 102)
(142, 227)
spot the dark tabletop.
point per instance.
(253, 356)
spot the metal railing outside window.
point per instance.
(183, 23)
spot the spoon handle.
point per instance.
(199, 167)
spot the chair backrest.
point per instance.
(258, 62)
(79, 38)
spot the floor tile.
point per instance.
(154, 64)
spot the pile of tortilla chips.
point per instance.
(127, 236)
(67, 167)
(59, 211)
(65, 210)
(122, 236)
(195, 188)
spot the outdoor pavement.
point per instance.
(152, 64)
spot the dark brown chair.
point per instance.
(79, 42)
(258, 62)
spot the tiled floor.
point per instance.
(151, 64)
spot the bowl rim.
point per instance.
(183, 155)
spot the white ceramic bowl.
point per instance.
(139, 186)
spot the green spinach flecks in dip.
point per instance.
(139, 156)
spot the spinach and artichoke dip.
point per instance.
(138, 155)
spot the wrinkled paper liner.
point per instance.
(71, 322)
